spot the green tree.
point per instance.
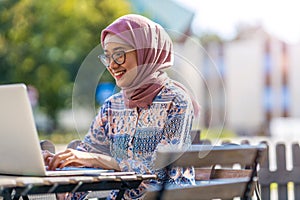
(43, 43)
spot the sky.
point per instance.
(279, 17)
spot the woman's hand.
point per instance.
(75, 158)
(47, 155)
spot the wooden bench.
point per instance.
(218, 175)
(281, 176)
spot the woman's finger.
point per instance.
(47, 156)
(58, 159)
(72, 163)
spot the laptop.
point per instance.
(20, 150)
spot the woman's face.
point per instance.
(125, 73)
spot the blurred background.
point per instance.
(245, 53)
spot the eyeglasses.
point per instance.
(119, 57)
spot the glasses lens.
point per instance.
(119, 57)
(104, 59)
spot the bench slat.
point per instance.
(206, 190)
(206, 155)
(206, 173)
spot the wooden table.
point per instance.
(14, 187)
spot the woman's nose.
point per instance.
(113, 65)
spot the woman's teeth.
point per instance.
(119, 73)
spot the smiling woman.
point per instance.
(149, 112)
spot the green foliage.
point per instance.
(42, 43)
(217, 133)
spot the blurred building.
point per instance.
(241, 84)
(260, 78)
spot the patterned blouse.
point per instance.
(132, 136)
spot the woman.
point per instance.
(150, 111)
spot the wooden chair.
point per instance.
(216, 170)
(47, 145)
(195, 136)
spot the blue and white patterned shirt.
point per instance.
(132, 136)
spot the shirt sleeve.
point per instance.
(96, 140)
(176, 136)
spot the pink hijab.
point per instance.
(154, 53)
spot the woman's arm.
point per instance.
(71, 157)
(94, 151)
(176, 136)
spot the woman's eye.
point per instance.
(118, 54)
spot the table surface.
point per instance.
(12, 186)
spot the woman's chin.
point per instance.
(121, 83)
(125, 81)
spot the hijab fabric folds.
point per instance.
(154, 53)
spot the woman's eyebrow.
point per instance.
(118, 48)
(115, 49)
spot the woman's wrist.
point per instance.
(105, 162)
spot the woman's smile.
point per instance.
(119, 74)
(124, 77)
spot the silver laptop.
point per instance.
(20, 150)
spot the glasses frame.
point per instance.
(103, 58)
